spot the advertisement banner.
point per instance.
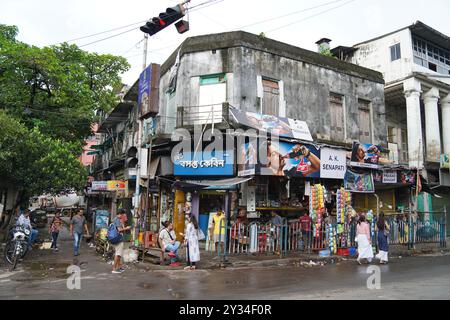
(117, 185)
(282, 127)
(148, 91)
(365, 156)
(389, 177)
(247, 160)
(99, 186)
(333, 163)
(287, 159)
(408, 177)
(219, 163)
(359, 183)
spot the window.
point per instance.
(337, 131)
(404, 147)
(365, 128)
(432, 66)
(431, 56)
(212, 94)
(392, 137)
(271, 97)
(396, 52)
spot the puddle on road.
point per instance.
(40, 270)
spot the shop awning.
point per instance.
(210, 184)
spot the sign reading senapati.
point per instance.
(333, 163)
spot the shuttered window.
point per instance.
(364, 123)
(337, 117)
(271, 98)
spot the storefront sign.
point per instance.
(287, 159)
(204, 164)
(359, 183)
(365, 156)
(333, 163)
(99, 186)
(445, 161)
(389, 177)
(117, 185)
(148, 97)
(283, 127)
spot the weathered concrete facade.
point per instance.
(305, 81)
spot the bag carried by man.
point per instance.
(113, 235)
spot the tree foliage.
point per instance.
(49, 99)
(58, 89)
(37, 163)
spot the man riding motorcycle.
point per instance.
(24, 221)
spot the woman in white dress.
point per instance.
(363, 238)
(191, 241)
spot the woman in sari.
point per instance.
(364, 241)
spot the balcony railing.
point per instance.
(217, 114)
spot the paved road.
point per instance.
(43, 276)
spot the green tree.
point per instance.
(57, 89)
(37, 163)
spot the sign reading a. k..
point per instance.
(219, 163)
(148, 91)
(333, 163)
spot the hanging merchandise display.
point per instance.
(331, 235)
(317, 207)
(343, 211)
(372, 220)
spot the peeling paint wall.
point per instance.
(306, 87)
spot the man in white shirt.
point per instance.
(24, 221)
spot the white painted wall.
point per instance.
(376, 55)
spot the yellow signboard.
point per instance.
(117, 185)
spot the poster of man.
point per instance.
(292, 160)
(248, 157)
(367, 156)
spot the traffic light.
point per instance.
(165, 19)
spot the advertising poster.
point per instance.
(282, 127)
(333, 163)
(219, 163)
(445, 161)
(285, 159)
(247, 160)
(365, 155)
(407, 177)
(148, 91)
(359, 183)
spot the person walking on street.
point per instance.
(119, 222)
(383, 229)
(218, 225)
(191, 241)
(76, 230)
(364, 241)
(169, 243)
(55, 227)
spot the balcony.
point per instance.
(217, 115)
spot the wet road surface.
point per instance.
(45, 277)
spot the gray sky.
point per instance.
(48, 22)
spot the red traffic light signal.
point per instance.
(182, 26)
(164, 19)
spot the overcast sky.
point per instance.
(346, 22)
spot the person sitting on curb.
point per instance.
(169, 243)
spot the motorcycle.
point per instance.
(17, 246)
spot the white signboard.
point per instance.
(99, 186)
(333, 163)
(389, 176)
(300, 130)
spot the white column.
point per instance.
(433, 134)
(445, 105)
(415, 155)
